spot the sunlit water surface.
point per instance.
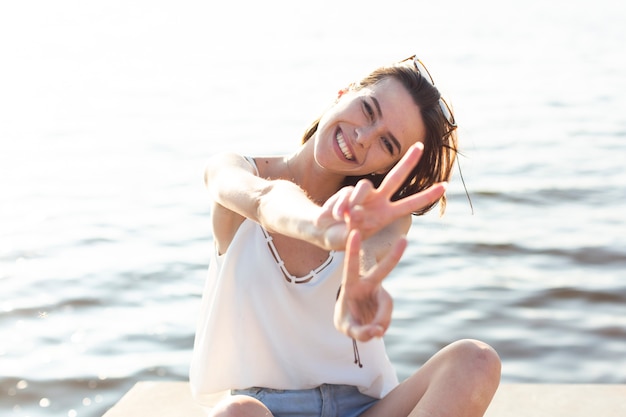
(108, 111)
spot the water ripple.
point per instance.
(581, 255)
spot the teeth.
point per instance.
(344, 148)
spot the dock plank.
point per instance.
(173, 399)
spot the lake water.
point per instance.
(108, 110)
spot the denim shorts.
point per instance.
(324, 401)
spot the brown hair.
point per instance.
(440, 143)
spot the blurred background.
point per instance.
(109, 109)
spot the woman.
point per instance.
(293, 310)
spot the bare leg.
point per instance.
(459, 381)
(240, 406)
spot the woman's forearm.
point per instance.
(286, 209)
(280, 206)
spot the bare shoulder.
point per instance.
(235, 185)
(222, 175)
(225, 163)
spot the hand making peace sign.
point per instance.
(370, 209)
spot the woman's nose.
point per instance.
(365, 135)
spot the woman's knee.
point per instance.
(240, 406)
(477, 359)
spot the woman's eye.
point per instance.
(387, 144)
(369, 112)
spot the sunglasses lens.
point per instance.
(447, 113)
(421, 68)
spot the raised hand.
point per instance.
(333, 222)
(363, 309)
(371, 209)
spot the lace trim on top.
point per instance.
(281, 264)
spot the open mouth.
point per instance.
(344, 147)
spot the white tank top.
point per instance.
(261, 327)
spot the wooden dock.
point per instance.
(173, 399)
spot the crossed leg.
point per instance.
(458, 381)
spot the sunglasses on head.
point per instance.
(445, 110)
(423, 71)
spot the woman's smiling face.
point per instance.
(368, 130)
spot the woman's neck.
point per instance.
(301, 169)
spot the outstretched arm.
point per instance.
(279, 206)
(363, 309)
(283, 207)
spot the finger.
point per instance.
(382, 319)
(389, 261)
(360, 333)
(401, 170)
(355, 214)
(331, 200)
(364, 333)
(362, 189)
(417, 201)
(356, 217)
(329, 204)
(341, 203)
(352, 268)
